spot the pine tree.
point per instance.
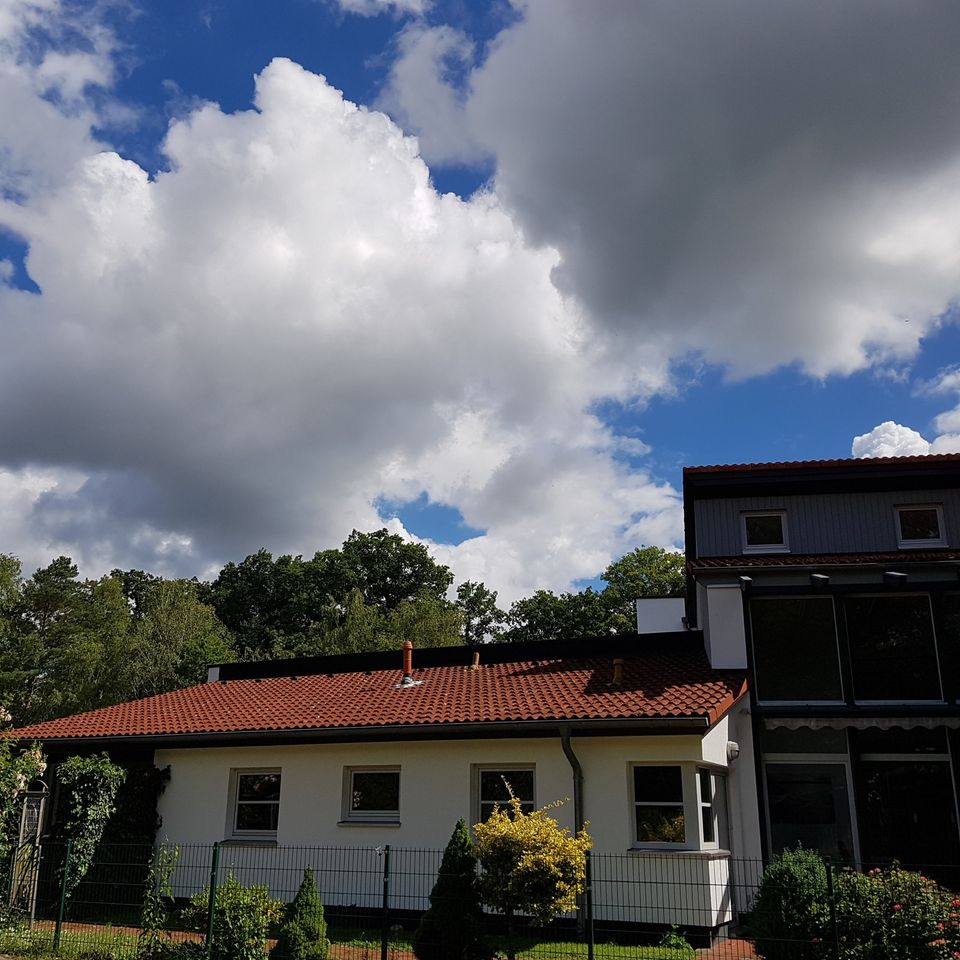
(303, 935)
(451, 927)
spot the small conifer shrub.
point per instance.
(451, 927)
(303, 934)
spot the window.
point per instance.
(712, 794)
(658, 804)
(254, 803)
(808, 805)
(371, 794)
(795, 649)
(920, 525)
(765, 532)
(494, 785)
(893, 652)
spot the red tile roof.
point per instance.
(656, 686)
(898, 559)
(864, 462)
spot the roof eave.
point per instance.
(683, 725)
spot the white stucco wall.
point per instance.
(435, 790)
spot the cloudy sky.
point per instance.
(490, 273)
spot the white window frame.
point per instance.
(816, 759)
(783, 547)
(233, 801)
(903, 544)
(717, 805)
(689, 786)
(476, 802)
(379, 818)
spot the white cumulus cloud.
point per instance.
(255, 347)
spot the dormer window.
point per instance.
(765, 532)
(920, 525)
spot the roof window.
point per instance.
(920, 525)
(764, 531)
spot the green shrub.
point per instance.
(242, 918)
(889, 914)
(451, 927)
(896, 914)
(791, 910)
(303, 935)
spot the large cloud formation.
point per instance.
(286, 327)
(291, 326)
(761, 182)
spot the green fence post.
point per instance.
(588, 898)
(62, 908)
(212, 900)
(385, 922)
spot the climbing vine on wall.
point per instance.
(90, 787)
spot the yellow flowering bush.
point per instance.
(530, 863)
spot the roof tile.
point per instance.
(658, 685)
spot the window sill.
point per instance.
(710, 854)
(249, 842)
(369, 823)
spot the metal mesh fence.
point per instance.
(135, 902)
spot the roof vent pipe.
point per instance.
(617, 671)
(407, 661)
(475, 662)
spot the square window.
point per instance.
(765, 532)
(371, 794)
(920, 525)
(658, 805)
(495, 784)
(254, 803)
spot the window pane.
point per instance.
(892, 648)
(706, 791)
(908, 812)
(375, 790)
(494, 786)
(921, 524)
(258, 786)
(809, 805)
(795, 648)
(763, 530)
(803, 740)
(660, 824)
(657, 785)
(257, 816)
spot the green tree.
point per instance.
(451, 928)
(547, 616)
(388, 570)
(303, 934)
(644, 572)
(530, 864)
(175, 639)
(481, 620)
(431, 621)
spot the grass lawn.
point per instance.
(346, 944)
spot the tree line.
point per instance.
(69, 644)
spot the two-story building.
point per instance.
(835, 585)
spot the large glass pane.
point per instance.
(658, 804)
(496, 786)
(809, 806)
(795, 648)
(375, 791)
(908, 813)
(892, 650)
(764, 529)
(919, 523)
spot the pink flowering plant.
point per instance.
(895, 914)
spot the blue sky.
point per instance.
(679, 239)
